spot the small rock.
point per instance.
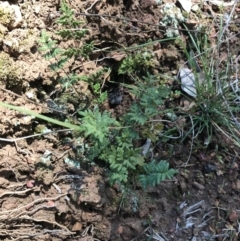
(195, 8)
(198, 185)
(186, 5)
(238, 184)
(188, 82)
(233, 216)
(209, 168)
(77, 227)
(183, 186)
(30, 183)
(37, 9)
(136, 226)
(148, 3)
(120, 229)
(3, 182)
(51, 203)
(13, 12)
(115, 97)
(18, 16)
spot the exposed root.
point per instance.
(21, 223)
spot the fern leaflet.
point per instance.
(155, 173)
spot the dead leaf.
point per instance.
(117, 56)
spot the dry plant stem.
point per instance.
(157, 237)
(193, 209)
(11, 215)
(229, 17)
(93, 61)
(237, 66)
(104, 80)
(29, 234)
(193, 137)
(20, 215)
(218, 84)
(14, 214)
(208, 49)
(57, 188)
(31, 136)
(225, 134)
(16, 193)
(47, 221)
(62, 155)
(86, 11)
(33, 203)
(86, 230)
(17, 185)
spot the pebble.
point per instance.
(120, 229)
(77, 227)
(198, 185)
(115, 97)
(183, 186)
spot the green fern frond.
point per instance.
(136, 115)
(155, 173)
(45, 42)
(117, 177)
(58, 65)
(97, 124)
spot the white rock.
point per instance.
(146, 147)
(188, 83)
(19, 41)
(195, 8)
(37, 9)
(14, 12)
(18, 16)
(222, 3)
(186, 5)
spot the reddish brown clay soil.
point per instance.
(44, 197)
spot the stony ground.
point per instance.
(44, 197)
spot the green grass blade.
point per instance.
(48, 119)
(140, 46)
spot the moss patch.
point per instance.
(9, 72)
(6, 16)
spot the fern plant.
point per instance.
(122, 161)
(106, 138)
(70, 29)
(149, 97)
(94, 80)
(96, 124)
(155, 173)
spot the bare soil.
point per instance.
(43, 197)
